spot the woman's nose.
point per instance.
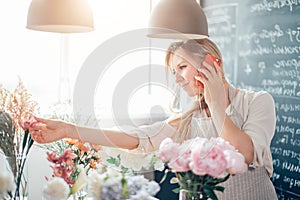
(178, 77)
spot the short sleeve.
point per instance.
(150, 136)
(260, 126)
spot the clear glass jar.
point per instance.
(191, 195)
(18, 166)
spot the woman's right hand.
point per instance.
(46, 130)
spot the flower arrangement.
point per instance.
(200, 164)
(108, 186)
(71, 161)
(111, 184)
(16, 111)
(119, 177)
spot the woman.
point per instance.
(246, 119)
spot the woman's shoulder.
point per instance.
(174, 120)
(247, 101)
(249, 96)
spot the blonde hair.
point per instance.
(197, 49)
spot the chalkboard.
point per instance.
(260, 42)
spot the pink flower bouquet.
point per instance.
(200, 164)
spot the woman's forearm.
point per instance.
(110, 138)
(230, 132)
(239, 139)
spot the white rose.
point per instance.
(57, 189)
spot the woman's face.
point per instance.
(185, 72)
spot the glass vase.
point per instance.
(19, 168)
(191, 195)
(80, 195)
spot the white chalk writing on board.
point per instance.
(268, 6)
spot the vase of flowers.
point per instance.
(120, 175)
(111, 184)
(71, 160)
(21, 176)
(16, 111)
(191, 195)
(200, 165)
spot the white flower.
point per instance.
(112, 188)
(135, 183)
(142, 194)
(111, 172)
(107, 186)
(140, 187)
(135, 160)
(159, 165)
(6, 183)
(152, 188)
(81, 181)
(131, 159)
(95, 185)
(57, 189)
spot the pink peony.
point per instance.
(223, 144)
(214, 157)
(200, 161)
(181, 163)
(235, 162)
(208, 158)
(168, 150)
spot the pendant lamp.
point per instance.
(178, 19)
(62, 16)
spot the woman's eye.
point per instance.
(182, 66)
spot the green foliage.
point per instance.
(193, 184)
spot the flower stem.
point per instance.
(27, 142)
(124, 185)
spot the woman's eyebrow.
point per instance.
(179, 64)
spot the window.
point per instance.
(49, 63)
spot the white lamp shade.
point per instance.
(178, 19)
(63, 16)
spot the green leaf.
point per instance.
(176, 190)
(113, 161)
(210, 193)
(219, 188)
(208, 187)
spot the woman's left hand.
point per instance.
(46, 130)
(214, 93)
(214, 90)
